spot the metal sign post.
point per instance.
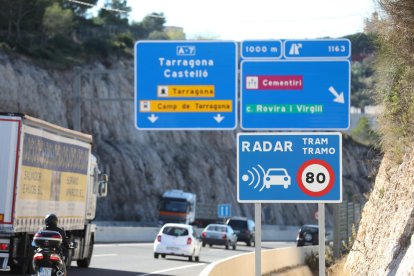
(321, 224)
(258, 238)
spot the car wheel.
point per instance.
(197, 258)
(249, 243)
(156, 255)
(162, 255)
(190, 258)
(210, 245)
(299, 244)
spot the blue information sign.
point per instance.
(223, 210)
(185, 85)
(317, 48)
(295, 94)
(269, 49)
(292, 167)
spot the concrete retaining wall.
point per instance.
(272, 260)
(125, 234)
(148, 234)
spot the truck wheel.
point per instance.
(84, 263)
(25, 263)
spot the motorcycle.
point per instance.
(48, 258)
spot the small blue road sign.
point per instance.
(186, 85)
(224, 210)
(317, 48)
(260, 49)
(303, 167)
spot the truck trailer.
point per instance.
(45, 168)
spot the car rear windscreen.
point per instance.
(175, 231)
(217, 228)
(238, 224)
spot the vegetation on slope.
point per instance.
(395, 76)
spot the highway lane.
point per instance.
(129, 259)
(137, 259)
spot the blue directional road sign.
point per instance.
(185, 85)
(295, 94)
(317, 48)
(303, 167)
(223, 210)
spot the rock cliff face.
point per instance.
(143, 164)
(384, 243)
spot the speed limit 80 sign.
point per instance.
(303, 167)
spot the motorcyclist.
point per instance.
(51, 222)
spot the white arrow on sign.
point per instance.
(218, 118)
(152, 118)
(339, 98)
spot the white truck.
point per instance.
(177, 206)
(45, 168)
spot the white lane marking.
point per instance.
(105, 255)
(122, 244)
(170, 269)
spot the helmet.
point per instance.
(51, 220)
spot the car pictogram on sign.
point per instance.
(276, 176)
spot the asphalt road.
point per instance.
(133, 259)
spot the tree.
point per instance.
(80, 10)
(363, 132)
(57, 20)
(362, 82)
(115, 12)
(153, 22)
(19, 15)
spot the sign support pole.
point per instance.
(321, 223)
(258, 237)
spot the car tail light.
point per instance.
(189, 241)
(224, 237)
(203, 234)
(4, 247)
(54, 257)
(159, 238)
(38, 256)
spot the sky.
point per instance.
(259, 19)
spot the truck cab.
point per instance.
(177, 206)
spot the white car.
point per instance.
(276, 176)
(179, 240)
